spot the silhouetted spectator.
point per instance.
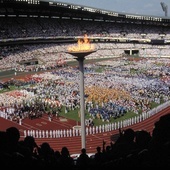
(142, 139)
(65, 161)
(125, 143)
(46, 153)
(159, 147)
(83, 160)
(98, 158)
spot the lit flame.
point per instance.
(82, 45)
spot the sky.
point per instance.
(141, 7)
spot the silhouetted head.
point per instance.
(161, 130)
(142, 138)
(65, 151)
(13, 134)
(29, 142)
(98, 149)
(129, 134)
(83, 150)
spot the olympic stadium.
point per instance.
(127, 73)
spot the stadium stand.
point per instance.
(34, 36)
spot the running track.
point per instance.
(74, 143)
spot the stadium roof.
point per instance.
(53, 7)
(77, 6)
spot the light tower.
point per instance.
(164, 8)
(80, 51)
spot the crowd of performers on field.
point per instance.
(107, 94)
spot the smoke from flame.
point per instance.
(82, 45)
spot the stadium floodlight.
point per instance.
(164, 8)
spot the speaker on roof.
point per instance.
(42, 3)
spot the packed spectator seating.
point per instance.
(47, 27)
(49, 55)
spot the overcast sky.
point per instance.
(145, 7)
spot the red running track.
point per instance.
(74, 143)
